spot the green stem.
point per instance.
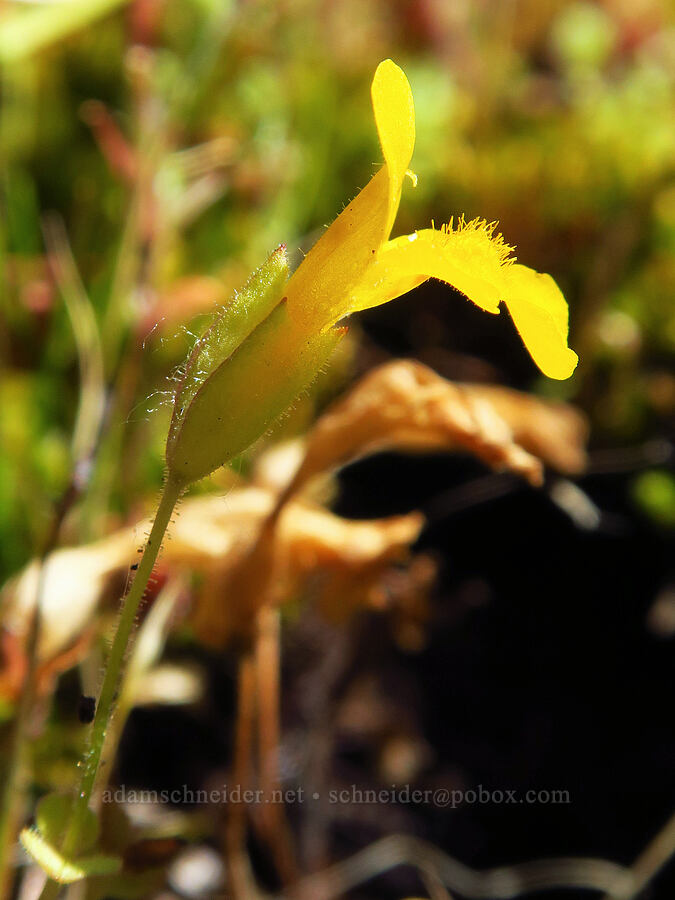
(114, 664)
(108, 695)
(14, 777)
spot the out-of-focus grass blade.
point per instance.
(87, 339)
(26, 32)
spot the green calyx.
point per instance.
(243, 374)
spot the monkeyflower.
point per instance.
(268, 344)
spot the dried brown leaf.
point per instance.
(405, 405)
(554, 432)
(343, 562)
(74, 580)
(215, 534)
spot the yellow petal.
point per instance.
(540, 314)
(471, 258)
(476, 262)
(395, 119)
(319, 292)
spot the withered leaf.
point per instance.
(405, 405)
(211, 534)
(343, 560)
(74, 580)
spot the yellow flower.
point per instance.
(269, 342)
(355, 266)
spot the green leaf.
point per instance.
(58, 867)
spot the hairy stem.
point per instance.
(107, 697)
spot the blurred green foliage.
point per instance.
(655, 492)
(185, 140)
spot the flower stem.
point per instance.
(108, 695)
